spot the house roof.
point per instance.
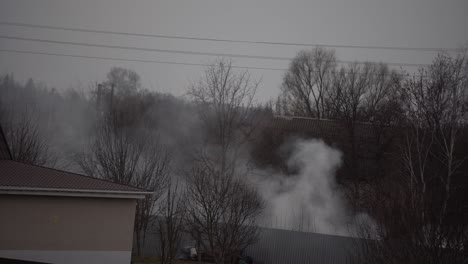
(21, 178)
(27, 179)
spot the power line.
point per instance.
(232, 55)
(155, 61)
(131, 60)
(228, 40)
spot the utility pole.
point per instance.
(98, 99)
(112, 98)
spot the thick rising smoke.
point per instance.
(309, 199)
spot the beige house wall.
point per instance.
(52, 223)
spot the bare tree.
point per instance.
(222, 212)
(26, 142)
(124, 81)
(170, 222)
(364, 94)
(133, 157)
(307, 81)
(223, 209)
(419, 213)
(436, 110)
(346, 98)
(362, 97)
(226, 101)
(409, 231)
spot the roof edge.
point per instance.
(292, 117)
(78, 174)
(72, 192)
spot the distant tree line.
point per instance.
(420, 207)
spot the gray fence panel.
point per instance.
(277, 246)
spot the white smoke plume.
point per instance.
(308, 200)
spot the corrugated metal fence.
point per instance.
(277, 246)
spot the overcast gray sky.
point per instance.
(407, 23)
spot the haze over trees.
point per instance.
(197, 155)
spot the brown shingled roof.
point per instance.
(22, 175)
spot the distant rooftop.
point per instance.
(326, 127)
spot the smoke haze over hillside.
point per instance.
(309, 199)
